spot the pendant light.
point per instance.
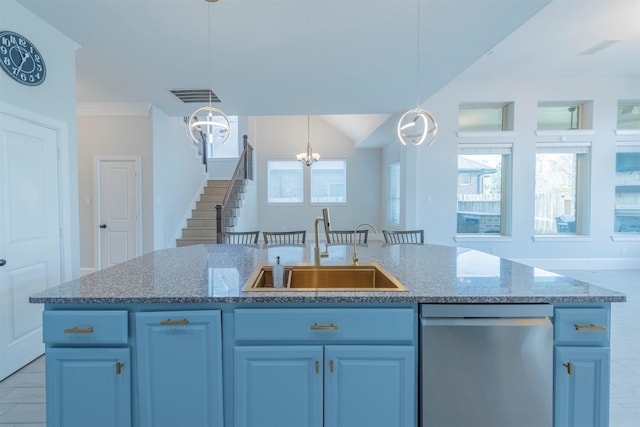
(308, 157)
(416, 125)
(216, 122)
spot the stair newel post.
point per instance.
(219, 222)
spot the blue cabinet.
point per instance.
(278, 386)
(88, 387)
(88, 368)
(325, 367)
(369, 386)
(581, 367)
(179, 368)
(582, 386)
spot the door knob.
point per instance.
(103, 225)
(2, 262)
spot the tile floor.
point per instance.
(22, 395)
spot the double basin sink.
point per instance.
(345, 278)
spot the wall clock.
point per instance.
(21, 60)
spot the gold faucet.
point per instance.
(355, 235)
(327, 228)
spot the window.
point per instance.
(564, 116)
(628, 115)
(285, 181)
(483, 188)
(561, 199)
(490, 117)
(393, 193)
(627, 209)
(329, 181)
(231, 148)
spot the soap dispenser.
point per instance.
(278, 274)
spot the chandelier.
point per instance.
(308, 157)
(416, 125)
(216, 122)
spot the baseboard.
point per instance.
(582, 263)
(85, 271)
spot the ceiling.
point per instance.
(355, 62)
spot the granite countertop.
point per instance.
(217, 274)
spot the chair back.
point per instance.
(346, 237)
(284, 237)
(408, 236)
(241, 237)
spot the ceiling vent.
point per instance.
(196, 95)
(598, 47)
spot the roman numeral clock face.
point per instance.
(21, 60)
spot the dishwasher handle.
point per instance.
(486, 321)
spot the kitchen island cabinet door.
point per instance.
(581, 387)
(88, 387)
(370, 386)
(278, 386)
(179, 368)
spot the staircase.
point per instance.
(201, 227)
(219, 203)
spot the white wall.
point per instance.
(282, 137)
(52, 103)
(178, 178)
(430, 201)
(112, 135)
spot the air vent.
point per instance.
(196, 95)
(598, 47)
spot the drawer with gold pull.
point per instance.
(325, 324)
(582, 326)
(85, 327)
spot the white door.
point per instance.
(118, 227)
(29, 236)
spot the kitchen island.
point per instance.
(170, 338)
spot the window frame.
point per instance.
(315, 203)
(506, 186)
(394, 170)
(233, 139)
(507, 109)
(634, 104)
(584, 116)
(583, 152)
(302, 184)
(624, 147)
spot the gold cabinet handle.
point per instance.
(119, 366)
(175, 322)
(317, 367)
(76, 330)
(569, 367)
(330, 327)
(590, 327)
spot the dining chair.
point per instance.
(284, 237)
(241, 237)
(346, 236)
(407, 236)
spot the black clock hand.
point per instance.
(24, 56)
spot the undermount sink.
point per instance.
(346, 278)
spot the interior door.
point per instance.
(118, 212)
(30, 252)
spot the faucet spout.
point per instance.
(327, 227)
(355, 233)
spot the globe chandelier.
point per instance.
(216, 122)
(417, 125)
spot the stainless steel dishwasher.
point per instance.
(486, 365)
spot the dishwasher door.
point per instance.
(486, 371)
